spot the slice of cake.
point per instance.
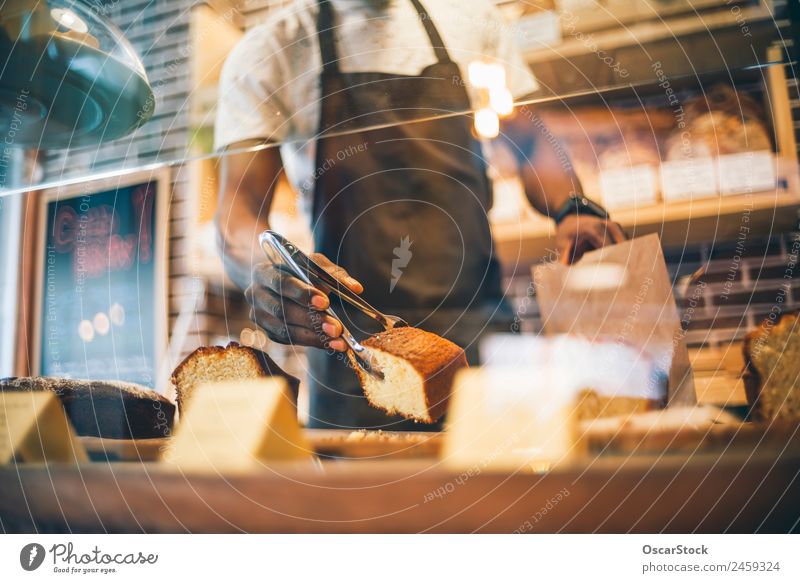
(210, 364)
(772, 369)
(418, 370)
(110, 409)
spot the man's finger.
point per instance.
(594, 238)
(340, 273)
(616, 232)
(293, 313)
(565, 252)
(280, 331)
(290, 287)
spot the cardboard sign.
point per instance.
(621, 294)
(510, 420)
(235, 425)
(688, 179)
(34, 428)
(746, 172)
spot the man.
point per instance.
(364, 97)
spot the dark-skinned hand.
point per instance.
(577, 234)
(291, 311)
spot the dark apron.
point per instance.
(403, 209)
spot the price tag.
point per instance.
(235, 425)
(688, 179)
(633, 186)
(508, 419)
(746, 172)
(34, 428)
(539, 30)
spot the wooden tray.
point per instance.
(327, 443)
(123, 450)
(646, 434)
(377, 445)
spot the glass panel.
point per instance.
(100, 87)
(675, 116)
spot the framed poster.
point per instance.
(100, 304)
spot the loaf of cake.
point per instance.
(418, 368)
(772, 369)
(110, 409)
(210, 364)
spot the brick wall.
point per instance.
(158, 30)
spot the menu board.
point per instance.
(101, 284)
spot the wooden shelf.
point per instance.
(646, 31)
(677, 223)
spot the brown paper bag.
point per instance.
(621, 293)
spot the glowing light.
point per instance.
(485, 75)
(487, 123)
(117, 314)
(501, 100)
(101, 323)
(253, 337)
(260, 341)
(86, 331)
(246, 337)
(68, 19)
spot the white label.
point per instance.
(34, 427)
(746, 172)
(508, 420)
(538, 30)
(629, 187)
(232, 425)
(688, 179)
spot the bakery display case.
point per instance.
(659, 143)
(146, 385)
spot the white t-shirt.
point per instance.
(269, 88)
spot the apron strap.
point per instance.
(327, 42)
(433, 34)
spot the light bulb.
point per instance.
(68, 19)
(501, 100)
(487, 124)
(486, 75)
(86, 331)
(101, 323)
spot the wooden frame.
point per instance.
(162, 179)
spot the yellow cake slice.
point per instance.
(210, 364)
(418, 370)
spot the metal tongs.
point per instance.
(286, 255)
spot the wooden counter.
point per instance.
(750, 489)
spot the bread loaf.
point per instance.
(210, 364)
(721, 121)
(772, 369)
(110, 409)
(418, 369)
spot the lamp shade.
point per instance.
(68, 77)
